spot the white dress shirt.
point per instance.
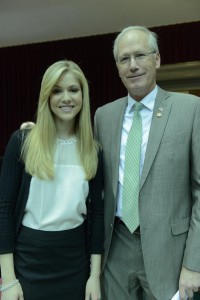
(146, 114)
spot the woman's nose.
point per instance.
(66, 96)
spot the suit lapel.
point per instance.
(159, 120)
(116, 130)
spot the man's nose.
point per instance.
(133, 63)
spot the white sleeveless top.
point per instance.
(59, 204)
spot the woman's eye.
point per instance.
(74, 90)
(56, 91)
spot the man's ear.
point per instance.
(158, 60)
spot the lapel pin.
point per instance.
(159, 114)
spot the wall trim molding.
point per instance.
(180, 76)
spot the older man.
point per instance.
(151, 145)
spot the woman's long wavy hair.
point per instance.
(39, 146)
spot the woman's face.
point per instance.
(66, 99)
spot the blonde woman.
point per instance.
(51, 209)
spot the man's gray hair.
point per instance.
(153, 43)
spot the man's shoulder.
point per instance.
(182, 95)
(110, 106)
(179, 97)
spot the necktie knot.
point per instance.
(138, 106)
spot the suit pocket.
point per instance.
(181, 226)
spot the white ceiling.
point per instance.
(30, 21)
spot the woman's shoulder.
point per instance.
(16, 140)
(19, 134)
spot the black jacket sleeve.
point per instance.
(96, 210)
(10, 185)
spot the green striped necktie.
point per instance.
(131, 181)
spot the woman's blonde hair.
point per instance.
(39, 146)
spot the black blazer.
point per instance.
(1, 162)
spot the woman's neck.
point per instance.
(65, 131)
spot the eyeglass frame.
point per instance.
(138, 57)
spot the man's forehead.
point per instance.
(133, 40)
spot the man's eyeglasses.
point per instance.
(139, 57)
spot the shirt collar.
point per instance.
(148, 101)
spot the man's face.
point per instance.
(137, 64)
